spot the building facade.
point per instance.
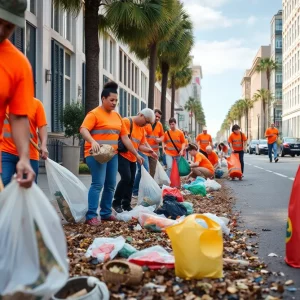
(291, 69)
(53, 41)
(275, 106)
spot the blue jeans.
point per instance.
(137, 180)
(9, 163)
(103, 175)
(274, 148)
(169, 160)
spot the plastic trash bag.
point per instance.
(196, 188)
(105, 249)
(33, 249)
(174, 176)
(219, 221)
(171, 208)
(172, 192)
(161, 176)
(68, 194)
(234, 166)
(126, 216)
(212, 185)
(198, 250)
(183, 167)
(154, 257)
(223, 163)
(189, 207)
(219, 173)
(149, 191)
(155, 223)
(127, 250)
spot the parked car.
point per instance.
(252, 146)
(261, 147)
(289, 146)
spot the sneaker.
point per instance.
(276, 159)
(93, 222)
(111, 218)
(127, 208)
(117, 208)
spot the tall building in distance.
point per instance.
(291, 68)
(275, 106)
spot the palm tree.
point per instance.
(267, 65)
(192, 105)
(199, 117)
(264, 96)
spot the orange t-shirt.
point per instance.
(137, 138)
(37, 119)
(204, 140)
(16, 82)
(274, 132)
(213, 158)
(203, 162)
(237, 141)
(178, 139)
(105, 128)
(151, 135)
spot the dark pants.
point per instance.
(204, 153)
(241, 156)
(127, 170)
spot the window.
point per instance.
(144, 86)
(31, 48)
(129, 74)
(278, 24)
(123, 103)
(61, 21)
(278, 42)
(278, 58)
(67, 78)
(17, 38)
(67, 25)
(31, 6)
(111, 57)
(56, 19)
(120, 65)
(125, 69)
(136, 79)
(278, 78)
(143, 105)
(105, 53)
(134, 106)
(132, 77)
(278, 94)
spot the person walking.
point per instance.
(16, 87)
(103, 125)
(10, 157)
(127, 161)
(200, 166)
(174, 143)
(272, 136)
(204, 139)
(238, 142)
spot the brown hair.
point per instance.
(172, 120)
(158, 111)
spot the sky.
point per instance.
(228, 34)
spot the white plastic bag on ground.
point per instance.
(33, 249)
(212, 185)
(126, 216)
(105, 249)
(68, 194)
(161, 176)
(149, 191)
(220, 221)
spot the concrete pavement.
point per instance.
(263, 198)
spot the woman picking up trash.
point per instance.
(101, 126)
(127, 161)
(223, 150)
(200, 166)
(213, 157)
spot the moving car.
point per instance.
(252, 146)
(289, 146)
(261, 147)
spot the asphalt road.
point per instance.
(263, 198)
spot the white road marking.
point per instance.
(280, 175)
(268, 171)
(292, 178)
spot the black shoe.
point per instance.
(271, 160)
(127, 208)
(276, 159)
(117, 208)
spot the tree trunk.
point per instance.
(152, 70)
(164, 84)
(264, 120)
(173, 91)
(91, 55)
(195, 127)
(247, 122)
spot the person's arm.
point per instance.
(43, 135)
(267, 134)
(147, 149)
(195, 164)
(127, 143)
(21, 135)
(87, 137)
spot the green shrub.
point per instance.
(84, 169)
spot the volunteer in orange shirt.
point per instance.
(103, 125)
(223, 150)
(127, 161)
(204, 139)
(174, 141)
(213, 157)
(10, 158)
(16, 86)
(272, 136)
(200, 166)
(238, 142)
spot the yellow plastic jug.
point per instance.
(198, 250)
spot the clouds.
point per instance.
(209, 3)
(217, 57)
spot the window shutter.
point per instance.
(17, 38)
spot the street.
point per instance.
(263, 198)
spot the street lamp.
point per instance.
(258, 115)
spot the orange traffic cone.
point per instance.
(293, 226)
(174, 177)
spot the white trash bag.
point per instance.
(212, 185)
(68, 194)
(33, 249)
(219, 220)
(161, 176)
(126, 216)
(149, 192)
